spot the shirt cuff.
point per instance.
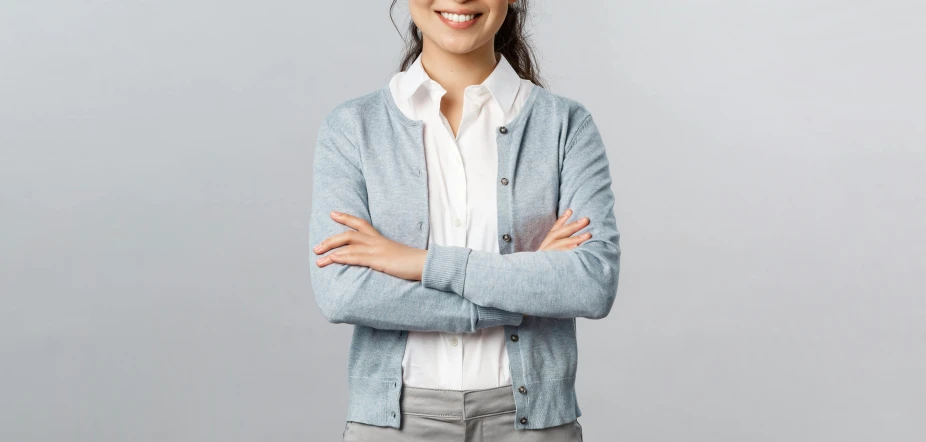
(445, 268)
(490, 317)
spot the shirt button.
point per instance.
(523, 421)
(457, 222)
(504, 181)
(503, 129)
(514, 338)
(474, 107)
(522, 390)
(454, 341)
(506, 237)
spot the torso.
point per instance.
(461, 165)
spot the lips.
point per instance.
(456, 24)
(460, 13)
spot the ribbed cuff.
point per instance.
(445, 268)
(490, 317)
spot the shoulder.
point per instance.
(560, 107)
(342, 125)
(346, 116)
(571, 116)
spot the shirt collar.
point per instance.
(502, 83)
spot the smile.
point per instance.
(459, 21)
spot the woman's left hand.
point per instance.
(365, 246)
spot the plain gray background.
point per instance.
(769, 163)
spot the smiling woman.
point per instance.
(440, 218)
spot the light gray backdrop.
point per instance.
(769, 162)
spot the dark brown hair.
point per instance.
(511, 40)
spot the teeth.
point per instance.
(457, 17)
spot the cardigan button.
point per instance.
(522, 390)
(523, 421)
(504, 181)
(506, 237)
(503, 129)
(514, 338)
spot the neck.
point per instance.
(454, 72)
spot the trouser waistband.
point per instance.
(459, 404)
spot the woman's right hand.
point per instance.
(560, 238)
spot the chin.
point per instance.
(459, 47)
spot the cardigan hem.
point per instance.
(546, 403)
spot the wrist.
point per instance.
(420, 256)
(445, 268)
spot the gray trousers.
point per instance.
(430, 415)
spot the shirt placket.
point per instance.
(456, 184)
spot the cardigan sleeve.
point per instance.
(364, 296)
(580, 282)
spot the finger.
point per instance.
(579, 240)
(571, 242)
(323, 261)
(351, 255)
(573, 227)
(359, 224)
(341, 239)
(559, 245)
(562, 219)
(335, 256)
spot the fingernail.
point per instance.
(317, 247)
(336, 213)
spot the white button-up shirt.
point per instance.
(462, 203)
